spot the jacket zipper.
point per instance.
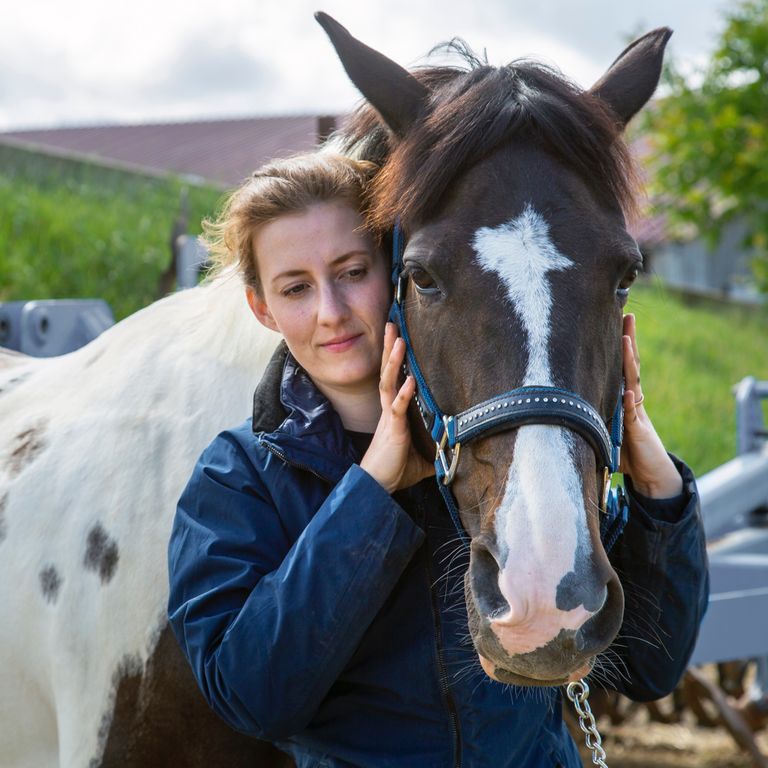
(298, 465)
(451, 706)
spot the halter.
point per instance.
(524, 405)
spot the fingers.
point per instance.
(630, 329)
(390, 372)
(400, 403)
(631, 359)
(390, 334)
(630, 408)
(631, 374)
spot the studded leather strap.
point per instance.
(534, 405)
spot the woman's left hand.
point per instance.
(643, 456)
(391, 458)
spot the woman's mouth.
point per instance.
(341, 343)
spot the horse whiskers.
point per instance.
(646, 625)
(452, 580)
(607, 667)
(649, 623)
(470, 667)
(454, 559)
(654, 642)
(612, 655)
(603, 677)
(449, 575)
(641, 640)
(635, 592)
(450, 590)
(455, 541)
(450, 558)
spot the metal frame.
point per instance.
(734, 500)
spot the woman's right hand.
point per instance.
(391, 458)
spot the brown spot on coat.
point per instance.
(93, 358)
(101, 553)
(14, 382)
(50, 582)
(158, 718)
(22, 377)
(25, 448)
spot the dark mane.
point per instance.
(477, 108)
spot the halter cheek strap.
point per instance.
(524, 405)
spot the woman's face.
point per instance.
(326, 289)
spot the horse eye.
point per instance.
(422, 280)
(628, 279)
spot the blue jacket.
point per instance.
(323, 614)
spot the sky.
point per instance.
(92, 62)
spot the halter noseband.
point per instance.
(524, 405)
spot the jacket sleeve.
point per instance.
(267, 625)
(661, 559)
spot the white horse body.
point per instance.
(95, 449)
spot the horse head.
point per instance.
(511, 186)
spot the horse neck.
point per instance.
(214, 320)
(194, 344)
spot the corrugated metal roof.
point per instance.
(222, 151)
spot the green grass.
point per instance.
(692, 353)
(70, 229)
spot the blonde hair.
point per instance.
(278, 188)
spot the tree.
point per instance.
(709, 137)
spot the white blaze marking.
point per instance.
(542, 510)
(522, 254)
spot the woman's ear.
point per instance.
(260, 309)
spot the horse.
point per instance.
(98, 444)
(511, 188)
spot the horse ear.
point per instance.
(631, 80)
(396, 94)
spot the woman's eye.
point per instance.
(294, 290)
(356, 273)
(422, 280)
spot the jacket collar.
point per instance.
(291, 415)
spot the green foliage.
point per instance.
(692, 353)
(709, 137)
(70, 229)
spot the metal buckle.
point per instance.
(606, 488)
(448, 470)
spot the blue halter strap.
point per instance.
(524, 405)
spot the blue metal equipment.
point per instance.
(734, 500)
(54, 326)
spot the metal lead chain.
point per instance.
(578, 693)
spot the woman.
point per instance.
(302, 580)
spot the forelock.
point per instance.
(476, 109)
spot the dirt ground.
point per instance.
(640, 744)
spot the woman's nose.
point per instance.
(332, 306)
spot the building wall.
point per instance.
(723, 271)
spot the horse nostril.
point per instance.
(484, 581)
(595, 635)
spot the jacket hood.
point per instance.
(294, 418)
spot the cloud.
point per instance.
(203, 69)
(87, 61)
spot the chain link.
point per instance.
(578, 693)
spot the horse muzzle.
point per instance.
(528, 640)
